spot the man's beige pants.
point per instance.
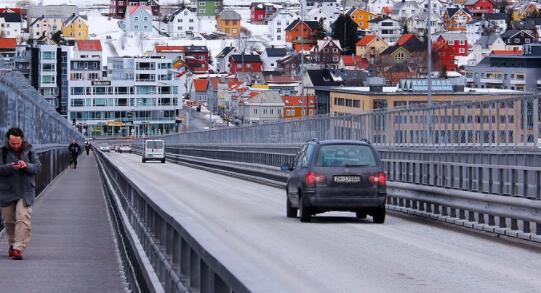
(18, 221)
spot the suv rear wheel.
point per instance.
(291, 212)
(379, 215)
(304, 211)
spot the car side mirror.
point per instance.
(286, 167)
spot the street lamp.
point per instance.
(302, 56)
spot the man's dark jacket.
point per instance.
(17, 184)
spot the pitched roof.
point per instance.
(495, 16)
(245, 58)
(486, 41)
(296, 101)
(74, 17)
(8, 43)
(356, 61)
(454, 36)
(16, 10)
(452, 11)
(225, 51)
(276, 52)
(230, 15)
(197, 49)
(88, 45)
(326, 41)
(404, 39)
(365, 40)
(511, 33)
(311, 24)
(169, 49)
(379, 19)
(172, 16)
(132, 9)
(200, 84)
(10, 17)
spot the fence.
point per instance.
(509, 122)
(23, 107)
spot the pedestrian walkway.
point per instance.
(72, 247)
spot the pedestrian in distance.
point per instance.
(19, 166)
(74, 148)
(88, 146)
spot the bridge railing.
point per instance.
(22, 106)
(507, 122)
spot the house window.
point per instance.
(517, 40)
(335, 58)
(335, 50)
(462, 50)
(202, 10)
(136, 18)
(527, 41)
(462, 42)
(145, 18)
(451, 42)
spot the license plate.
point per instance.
(347, 179)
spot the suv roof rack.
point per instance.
(365, 140)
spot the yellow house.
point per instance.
(228, 22)
(360, 17)
(370, 46)
(523, 11)
(75, 28)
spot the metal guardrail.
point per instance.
(508, 122)
(515, 216)
(21, 106)
(184, 256)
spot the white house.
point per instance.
(497, 19)
(474, 29)
(222, 59)
(405, 9)
(386, 28)
(181, 22)
(329, 14)
(417, 24)
(45, 26)
(484, 46)
(270, 57)
(376, 6)
(10, 25)
(278, 25)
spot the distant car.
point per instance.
(117, 148)
(104, 147)
(153, 150)
(336, 175)
(124, 149)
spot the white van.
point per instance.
(154, 149)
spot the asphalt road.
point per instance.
(336, 252)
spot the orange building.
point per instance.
(360, 17)
(228, 22)
(297, 30)
(294, 106)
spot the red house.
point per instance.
(257, 12)
(444, 55)
(197, 58)
(457, 41)
(245, 63)
(479, 7)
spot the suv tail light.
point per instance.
(312, 178)
(379, 179)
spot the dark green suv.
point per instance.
(336, 175)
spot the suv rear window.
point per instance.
(345, 155)
(154, 144)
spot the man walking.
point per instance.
(18, 169)
(88, 146)
(74, 149)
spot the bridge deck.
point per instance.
(72, 247)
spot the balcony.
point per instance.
(519, 81)
(492, 80)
